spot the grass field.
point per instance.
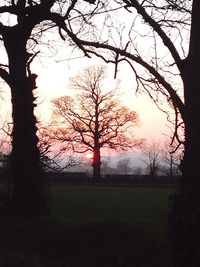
(93, 226)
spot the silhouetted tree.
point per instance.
(171, 157)
(152, 153)
(94, 119)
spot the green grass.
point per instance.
(136, 206)
(100, 226)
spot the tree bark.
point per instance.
(96, 164)
(96, 153)
(186, 202)
(28, 190)
(185, 212)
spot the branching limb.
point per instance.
(5, 76)
(158, 77)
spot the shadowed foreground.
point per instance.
(56, 242)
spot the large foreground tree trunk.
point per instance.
(185, 213)
(28, 190)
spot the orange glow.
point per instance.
(89, 156)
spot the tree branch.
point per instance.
(174, 96)
(5, 76)
(166, 40)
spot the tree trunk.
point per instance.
(171, 165)
(96, 164)
(96, 153)
(185, 213)
(28, 190)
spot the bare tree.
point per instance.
(152, 154)
(162, 157)
(94, 119)
(171, 158)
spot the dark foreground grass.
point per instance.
(93, 226)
